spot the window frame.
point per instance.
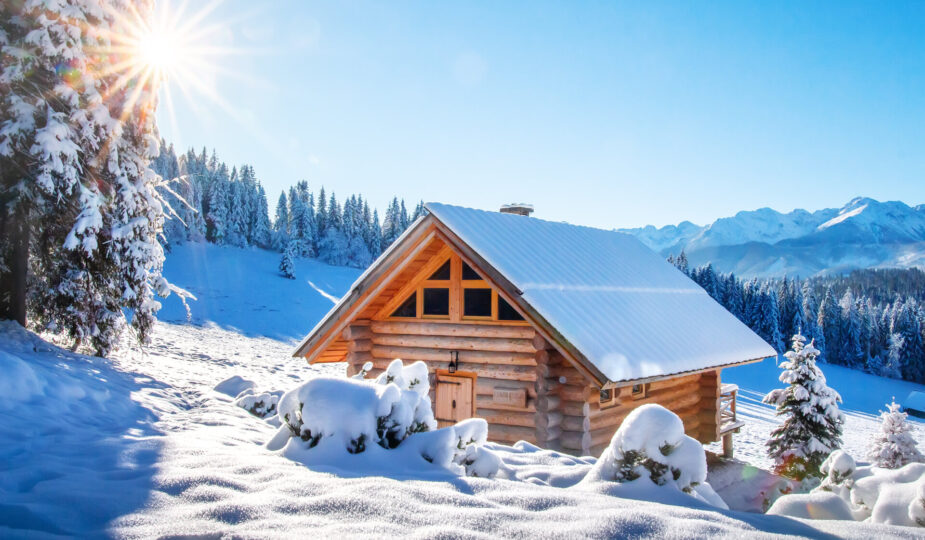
(457, 287)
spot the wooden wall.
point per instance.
(501, 354)
(562, 411)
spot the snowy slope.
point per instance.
(863, 233)
(141, 446)
(242, 289)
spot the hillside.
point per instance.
(241, 289)
(765, 243)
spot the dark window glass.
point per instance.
(606, 396)
(506, 312)
(436, 301)
(469, 273)
(443, 272)
(477, 302)
(408, 308)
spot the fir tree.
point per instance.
(281, 223)
(895, 445)
(812, 425)
(262, 231)
(287, 262)
(80, 207)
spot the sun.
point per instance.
(158, 49)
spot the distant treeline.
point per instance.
(228, 206)
(871, 320)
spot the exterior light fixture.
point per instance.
(454, 362)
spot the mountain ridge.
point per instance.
(863, 233)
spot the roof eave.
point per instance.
(382, 266)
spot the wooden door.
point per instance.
(453, 398)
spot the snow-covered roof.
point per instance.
(625, 308)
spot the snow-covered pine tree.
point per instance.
(262, 233)
(812, 425)
(892, 366)
(281, 223)
(895, 445)
(237, 213)
(763, 317)
(218, 211)
(80, 207)
(852, 350)
(287, 262)
(829, 325)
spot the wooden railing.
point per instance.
(727, 409)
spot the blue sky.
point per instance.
(610, 114)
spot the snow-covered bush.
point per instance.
(651, 444)
(917, 506)
(838, 470)
(812, 422)
(262, 404)
(388, 420)
(872, 494)
(895, 446)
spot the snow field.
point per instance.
(150, 449)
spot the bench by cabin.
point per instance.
(551, 332)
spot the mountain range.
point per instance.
(865, 233)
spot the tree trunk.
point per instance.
(15, 233)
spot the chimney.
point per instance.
(519, 209)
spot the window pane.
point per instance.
(469, 273)
(443, 272)
(436, 301)
(408, 308)
(477, 303)
(506, 312)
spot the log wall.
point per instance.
(502, 356)
(694, 398)
(562, 410)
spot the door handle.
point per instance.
(454, 403)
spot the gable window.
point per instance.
(449, 288)
(442, 273)
(409, 308)
(506, 311)
(436, 302)
(468, 273)
(477, 303)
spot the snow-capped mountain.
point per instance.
(863, 233)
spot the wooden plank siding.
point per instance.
(501, 357)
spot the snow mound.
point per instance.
(234, 386)
(262, 404)
(871, 494)
(651, 444)
(816, 505)
(18, 381)
(380, 425)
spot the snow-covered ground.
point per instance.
(142, 446)
(241, 289)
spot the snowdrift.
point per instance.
(382, 426)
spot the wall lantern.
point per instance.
(454, 362)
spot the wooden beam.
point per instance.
(392, 262)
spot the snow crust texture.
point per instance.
(142, 446)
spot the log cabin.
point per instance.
(551, 332)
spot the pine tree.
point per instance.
(852, 353)
(218, 212)
(895, 445)
(287, 262)
(281, 223)
(80, 209)
(892, 366)
(812, 425)
(262, 230)
(829, 324)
